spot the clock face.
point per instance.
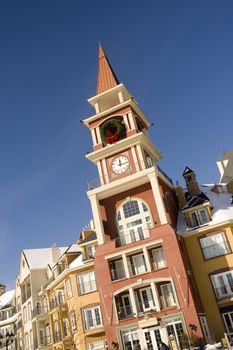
(120, 165)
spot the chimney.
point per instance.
(2, 289)
(191, 182)
(180, 196)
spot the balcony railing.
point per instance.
(40, 310)
(45, 340)
(93, 322)
(57, 336)
(144, 307)
(134, 269)
(87, 287)
(35, 344)
(134, 236)
(54, 303)
(124, 312)
(91, 184)
(230, 338)
(224, 291)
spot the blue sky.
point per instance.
(176, 57)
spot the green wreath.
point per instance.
(112, 131)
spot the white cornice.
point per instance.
(130, 102)
(122, 184)
(134, 249)
(66, 273)
(122, 145)
(141, 282)
(205, 229)
(104, 94)
(196, 207)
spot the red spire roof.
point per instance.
(106, 76)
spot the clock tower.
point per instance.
(146, 294)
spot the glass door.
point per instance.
(152, 338)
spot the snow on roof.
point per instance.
(40, 258)
(7, 298)
(222, 208)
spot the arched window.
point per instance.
(133, 221)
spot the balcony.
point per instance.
(93, 323)
(144, 308)
(40, 311)
(35, 344)
(224, 291)
(46, 340)
(57, 336)
(135, 235)
(58, 304)
(95, 183)
(124, 312)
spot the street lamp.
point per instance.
(8, 339)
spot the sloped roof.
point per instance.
(40, 258)
(106, 78)
(187, 171)
(222, 208)
(201, 198)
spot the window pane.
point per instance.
(131, 208)
(144, 207)
(159, 258)
(167, 291)
(215, 245)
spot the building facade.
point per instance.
(7, 319)
(32, 276)
(68, 305)
(206, 225)
(146, 290)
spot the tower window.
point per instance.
(133, 221)
(131, 208)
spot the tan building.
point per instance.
(68, 307)
(32, 275)
(206, 225)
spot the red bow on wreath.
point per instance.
(112, 139)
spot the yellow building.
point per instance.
(206, 225)
(69, 305)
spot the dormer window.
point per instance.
(90, 251)
(199, 217)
